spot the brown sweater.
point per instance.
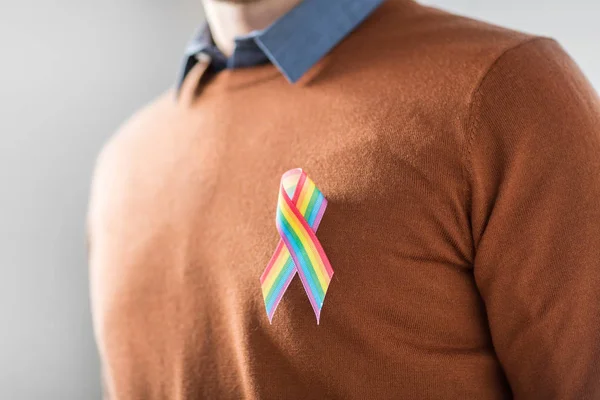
(461, 163)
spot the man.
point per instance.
(353, 199)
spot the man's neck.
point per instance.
(229, 19)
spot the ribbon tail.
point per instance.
(276, 278)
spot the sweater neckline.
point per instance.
(200, 83)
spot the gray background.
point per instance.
(70, 72)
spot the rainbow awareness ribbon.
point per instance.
(300, 207)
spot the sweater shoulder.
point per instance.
(426, 65)
(140, 124)
(431, 29)
(433, 47)
(135, 133)
(128, 150)
(534, 95)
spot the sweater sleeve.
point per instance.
(533, 171)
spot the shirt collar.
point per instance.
(293, 43)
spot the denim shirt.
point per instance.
(293, 43)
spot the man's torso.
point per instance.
(185, 225)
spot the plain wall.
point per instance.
(70, 73)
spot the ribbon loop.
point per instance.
(300, 207)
